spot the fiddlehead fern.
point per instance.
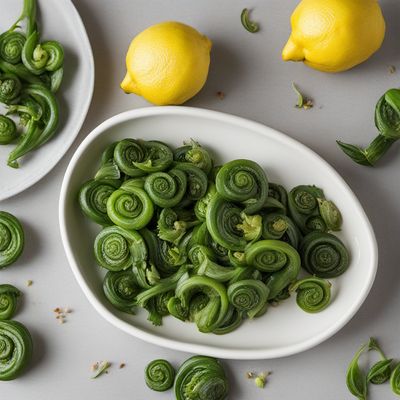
(200, 208)
(159, 375)
(278, 192)
(158, 157)
(166, 189)
(8, 301)
(279, 226)
(10, 88)
(121, 289)
(243, 181)
(11, 239)
(195, 154)
(395, 380)
(93, 197)
(15, 349)
(8, 130)
(116, 249)
(233, 319)
(249, 296)
(130, 207)
(11, 45)
(330, 214)
(313, 294)
(126, 153)
(201, 377)
(197, 181)
(324, 255)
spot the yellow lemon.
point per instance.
(334, 35)
(167, 63)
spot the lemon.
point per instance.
(167, 63)
(334, 35)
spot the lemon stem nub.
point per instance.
(292, 52)
(128, 85)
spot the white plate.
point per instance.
(283, 330)
(58, 20)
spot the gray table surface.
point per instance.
(257, 84)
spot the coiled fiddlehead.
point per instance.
(126, 153)
(121, 289)
(93, 197)
(249, 296)
(10, 88)
(211, 316)
(116, 249)
(109, 168)
(8, 301)
(304, 209)
(130, 207)
(166, 189)
(159, 375)
(233, 319)
(222, 220)
(11, 45)
(15, 349)
(279, 226)
(201, 377)
(330, 214)
(8, 130)
(277, 257)
(243, 181)
(395, 380)
(313, 294)
(195, 154)
(324, 255)
(278, 192)
(197, 181)
(200, 208)
(11, 239)
(158, 157)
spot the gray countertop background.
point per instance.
(257, 85)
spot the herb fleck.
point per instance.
(249, 25)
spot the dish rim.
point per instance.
(226, 352)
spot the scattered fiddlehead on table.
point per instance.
(324, 255)
(201, 377)
(8, 301)
(11, 239)
(159, 375)
(313, 294)
(8, 130)
(15, 349)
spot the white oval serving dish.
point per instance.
(283, 330)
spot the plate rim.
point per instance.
(225, 352)
(69, 138)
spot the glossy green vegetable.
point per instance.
(11, 45)
(313, 294)
(10, 88)
(395, 380)
(278, 192)
(249, 25)
(126, 153)
(324, 255)
(233, 319)
(159, 375)
(8, 130)
(330, 214)
(201, 378)
(380, 372)
(158, 157)
(197, 182)
(355, 379)
(15, 349)
(121, 289)
(195, 154)
(249, 296)
(8, 301)
(93, 197)
(11, 239)
(243, 181)
(387, 121)
(200, 208)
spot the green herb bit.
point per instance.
(100, 368)
(302, 102)
(261, 380)
(356, 380)
(380, 372)
(249, 25)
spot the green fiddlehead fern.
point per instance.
(10, 88)
(158, 157)
(109, 168)
(11, 239)
(116, 249)
(11, 45)
(243, 181)
(324, 255)
(127, 152)
(166, 189)
(200, 208)
(276, 257)
(233, 319)
(197, 182)
(201, 377)
(278, 192)
(195, 154)
(8, 130)
(222, 220)
(279, 226)
(248, 296)
(15, 349)
(395, 380)
(159, 375)
(8, 301)
(130, 207)
(313, 294)
(93, 197)
(211, 316)
(330, 214)
(355, 379)
(121, 289)
(20, 71)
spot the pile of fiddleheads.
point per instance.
(209, 245)
(31, 72)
